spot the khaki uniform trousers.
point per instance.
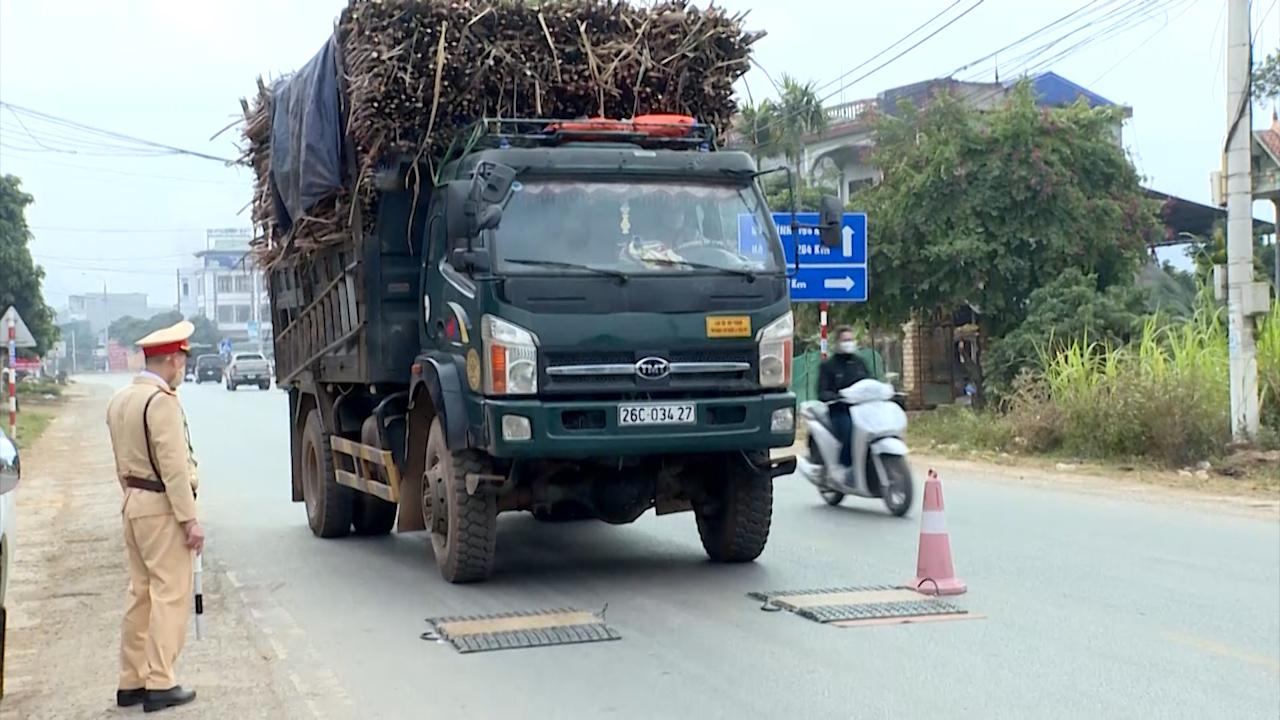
(159, 601)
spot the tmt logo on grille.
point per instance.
(652, 368)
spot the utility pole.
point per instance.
(1242, 348)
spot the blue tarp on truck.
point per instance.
(306, 137)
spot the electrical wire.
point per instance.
(1028, 36)
(48, 228)
(786, 117)
(1168, 20)
(1128, 22)
(1023, 61)
(152, 146)
(174, 178)
(895, 44)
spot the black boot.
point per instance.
(162, 699)
(129, 698)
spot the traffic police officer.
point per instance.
(157, 472)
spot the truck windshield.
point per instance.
(635, 228)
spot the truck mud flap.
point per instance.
(511, 631)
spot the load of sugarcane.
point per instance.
(418, 74)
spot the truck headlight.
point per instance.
(510, 356)
(776, 342)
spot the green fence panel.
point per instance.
(804, 375)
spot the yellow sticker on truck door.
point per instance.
(728, 326)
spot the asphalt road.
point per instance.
(1095, 606)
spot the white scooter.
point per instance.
(880, 468)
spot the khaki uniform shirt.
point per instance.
(170, 447)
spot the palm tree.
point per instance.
(799, 114)
(758, 124)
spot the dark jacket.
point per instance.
(838, 373)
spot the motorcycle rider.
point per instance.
(843, 369)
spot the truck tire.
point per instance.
(329, 505)
(371, 515)
(464, 528)
(735, 527)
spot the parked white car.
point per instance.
(10, 473)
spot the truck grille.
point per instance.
(611, 371)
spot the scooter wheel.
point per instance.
(832, 497)
(898, 486)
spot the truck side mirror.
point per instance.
(457, 195)
(830, 218)
(493, 182)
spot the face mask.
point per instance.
(846, 347)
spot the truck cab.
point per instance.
(584, 332)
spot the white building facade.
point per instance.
(227, 287)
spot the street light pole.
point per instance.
(1242, 348)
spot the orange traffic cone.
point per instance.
(935, 575)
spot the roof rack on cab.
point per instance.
(677, 132)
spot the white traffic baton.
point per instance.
(199, 593)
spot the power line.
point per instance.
(1085, 23)
(1168, 20)
(176, 178)
(895, 44)
(1134, 19)
(1040, 30)
(915, 45)
(48, 228)
(93, 259)
(1262, 20)
(787, 116)
(169, 149)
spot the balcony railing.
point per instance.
(850, 111)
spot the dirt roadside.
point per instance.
(66, 596)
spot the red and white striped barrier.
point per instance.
(935, 573)
(13, 377)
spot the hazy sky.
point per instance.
(173, 72)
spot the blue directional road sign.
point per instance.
(827, 274)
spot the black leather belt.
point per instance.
(148, 484)
(144, 484)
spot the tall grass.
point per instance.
(1269, 367)
(1164, 395)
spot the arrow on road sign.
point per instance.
(847, 234)
(845, 283)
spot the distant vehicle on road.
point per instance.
(248, 369)
(208, 367)
(10, 473)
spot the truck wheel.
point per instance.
(264, 386)
(329, 505)
(734, 527)
(464, 528)
(371, 515)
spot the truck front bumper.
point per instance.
(583, 429)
